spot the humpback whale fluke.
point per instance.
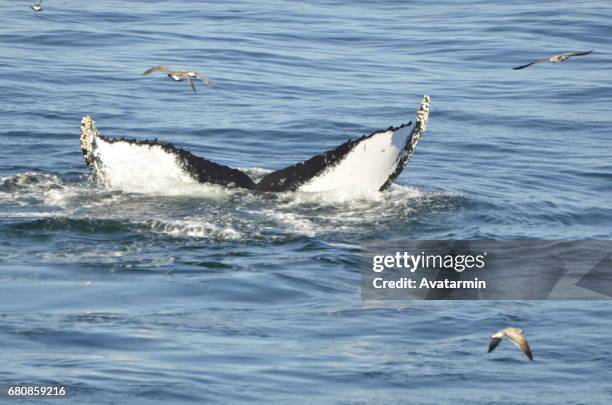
(369, 163)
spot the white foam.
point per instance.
(366, 168)
(27, 214)
(61, 197)
(194, 228)
(312, 214)
(293, 222)
(25, 189)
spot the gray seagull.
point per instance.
(515, 335)
(554, 58)
(37, 6)
(180, 75)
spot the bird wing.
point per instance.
(191, 84)
(155, 69)
(569, 55)
(529, 64)
(493, 343)
(205, 79)
(518, 339)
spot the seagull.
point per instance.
(37, 6)
(554, 59)
(180, 75)
(515, 335)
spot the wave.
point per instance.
(81, 225)
(30, 181)
(41, 202)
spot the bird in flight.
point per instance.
(515, 335)
(554, 58)
(180, 75)
(37, 6)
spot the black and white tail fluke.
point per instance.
(369, 163)
(134, 165)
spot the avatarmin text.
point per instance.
(405, 282)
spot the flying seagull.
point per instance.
(554, 58)
(515, 335)
(37, 6)
(180, 75)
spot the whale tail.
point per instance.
(370, 163)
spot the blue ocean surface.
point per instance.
(216, 296)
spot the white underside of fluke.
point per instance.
(366, 168)
(138, 168)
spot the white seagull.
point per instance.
(180, 75)
(554, 58)
(515, 335)
(37, 6)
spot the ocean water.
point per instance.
(201, 294)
